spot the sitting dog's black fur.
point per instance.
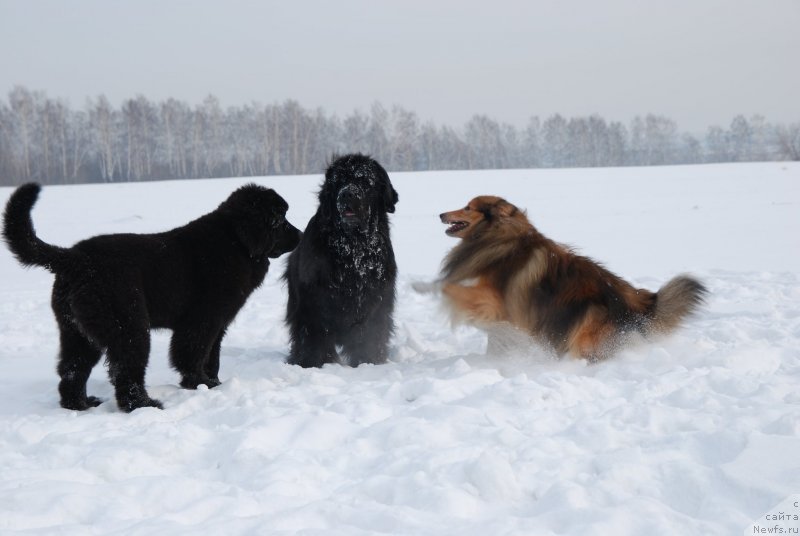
(342, 275)
(111, 289)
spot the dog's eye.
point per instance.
(466, 209)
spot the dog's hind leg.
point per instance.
(127, 362)
(191, 350)
(591, 338)
(76, 359)
(114, 318)
(77, 354)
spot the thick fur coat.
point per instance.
(341, 277)
(505, 272)
(110, 290)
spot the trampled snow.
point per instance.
(698, 433)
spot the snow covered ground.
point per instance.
(695, 434)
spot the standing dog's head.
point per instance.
(259, 217)
(356, 191)
(479, 214)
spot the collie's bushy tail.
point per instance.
(676, 300)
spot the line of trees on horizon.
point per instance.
(43, 139)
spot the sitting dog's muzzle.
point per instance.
(353, 211)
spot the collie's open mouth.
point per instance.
(456, 226)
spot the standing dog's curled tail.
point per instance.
(19, 234)
(677, 299)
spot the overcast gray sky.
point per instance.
(697, 61)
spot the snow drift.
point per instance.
(698, 433)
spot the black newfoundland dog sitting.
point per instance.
(110, 290)
(341, 277)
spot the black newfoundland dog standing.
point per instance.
(341, 277)
(111, 289)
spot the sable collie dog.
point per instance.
(505, 272)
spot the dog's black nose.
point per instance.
(348, 198)
(349, 201)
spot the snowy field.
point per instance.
(695, 434)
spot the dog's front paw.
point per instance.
(150, 403)
(311, 361)
(145, 402)
(93, 401)
(81, 404)
(212, 382)
(135, 397)
(191, 382)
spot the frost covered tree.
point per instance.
(403, 143)
(355, 132)
(531, 144)
(788, 138)
(717, 145)
(377, 132)
(46, 140)
(555, 142)
(105, 128)
(483, 136)
(691, 151)
(740, 138)
(175, 137)
(22, 122)
(140, 125)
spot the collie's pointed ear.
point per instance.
(505, 209)
(493, 207)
